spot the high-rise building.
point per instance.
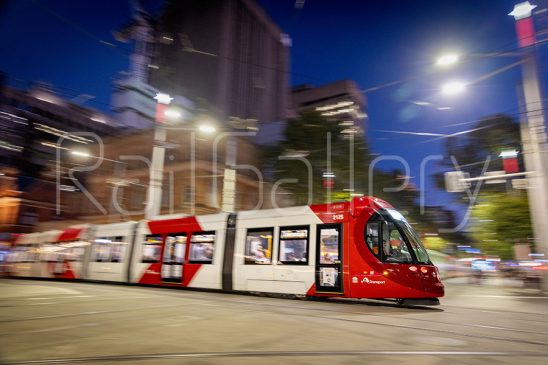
(341, 102)
(40, 135)
(226, 55)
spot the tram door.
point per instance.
(173, 259)
(329, 258)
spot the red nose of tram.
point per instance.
(390, 260)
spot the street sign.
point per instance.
(495, 181)
(454, 181)
(520, 183)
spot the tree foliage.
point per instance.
(435, 243)
(306, 141)
(307, 136)
(500, 221)
(491, 136)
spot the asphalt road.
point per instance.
(45, 322)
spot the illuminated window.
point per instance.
(102, 250)
(24, 253)
(109, 249)
(258, 246)
(294, 245)
(152, 248)
(329, 246)
(202, 247)
(174, 252)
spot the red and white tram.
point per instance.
(358, 249)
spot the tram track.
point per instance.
(308, 314)
(394, 306)
(274, 354)
(58, 316)
(436, 330)
(214, 300)
(307, 308)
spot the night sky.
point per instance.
(69, 44)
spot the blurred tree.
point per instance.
(500, 221)
(492, 135)
(306, 137)
(436, 243)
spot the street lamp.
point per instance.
(453, 87)
(204, 123)
(154, 192)
(448, 59)
(522, 10)
(534, 128)
(80, 153)
(173, 114)
(206, 128)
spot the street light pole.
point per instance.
(533, 130)
(154, 192)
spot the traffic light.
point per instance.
(510, 161)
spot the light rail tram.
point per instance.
(358, 249)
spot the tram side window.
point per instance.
(24, 253)
(152, 248)
(201, 247)
(74, 253)
(118, 249)
(101, 249)
(175, 248)
(372, 237)
(109, 249)
(258, 246)
(329, 246)
(294, 245)
(394, 247)
(49, 252)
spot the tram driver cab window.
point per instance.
(386, 242)
(372, 237)
(393, 246)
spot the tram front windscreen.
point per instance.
(411, 235)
